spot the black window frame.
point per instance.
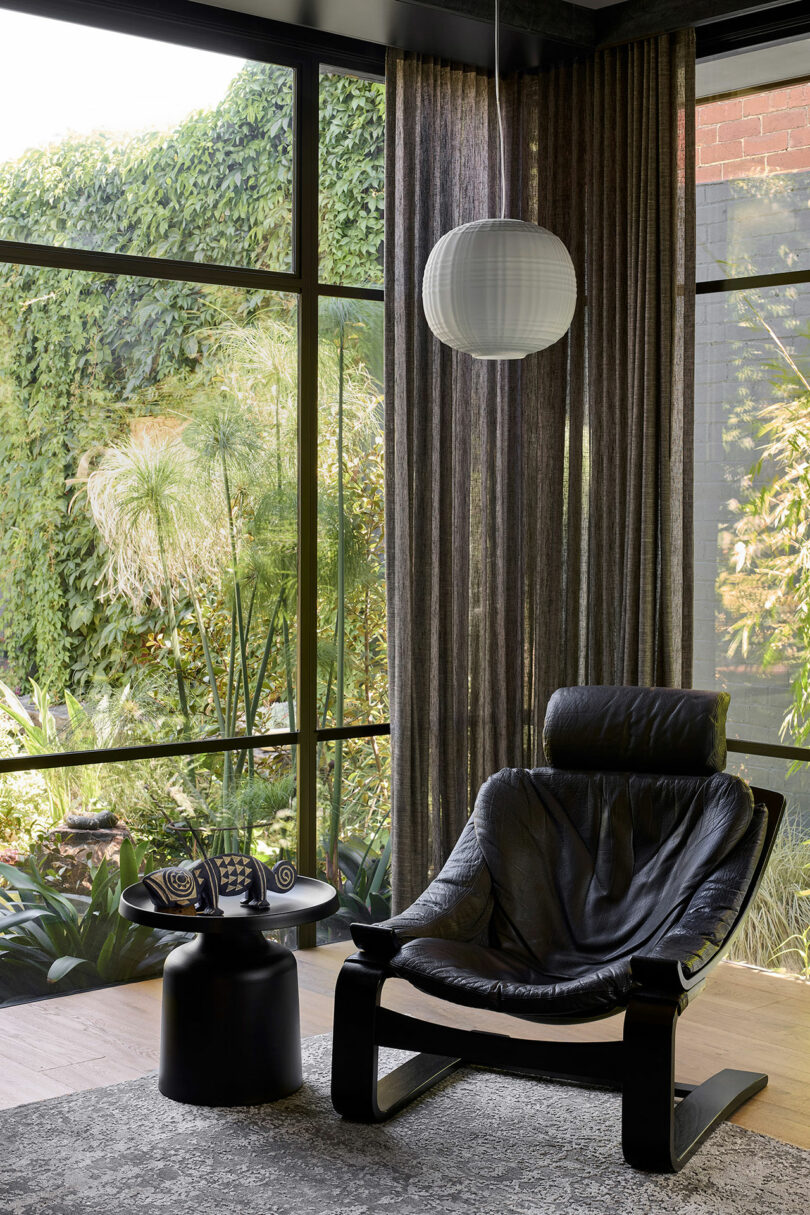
(306, 53)
(795, 25)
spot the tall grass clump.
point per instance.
(779, 912)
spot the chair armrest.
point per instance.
(679, 959)
(456, 906)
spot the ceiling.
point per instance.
(534, 32)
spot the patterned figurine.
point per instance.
(201, 885)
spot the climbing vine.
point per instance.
(85, 357)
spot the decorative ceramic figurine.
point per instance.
(201, 885)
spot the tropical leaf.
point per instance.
(128, 864)
(62, 967)
(7, 922)
(55, 943)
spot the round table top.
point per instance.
(308, 900)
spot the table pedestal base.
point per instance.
(230, 1032)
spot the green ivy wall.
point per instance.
(82, 355)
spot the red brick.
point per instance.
(752, 166)
(719, 111)
(705, 135)
(757, 103)
(800, 137)
(784, 120)
(738, 129)
(708, 173)
(796, 158)
(799, 94)
(778, 99)
(721, 151)
(774, 141)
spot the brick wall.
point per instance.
(747, 136)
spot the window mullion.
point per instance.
(306, 208)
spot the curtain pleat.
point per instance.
(538, 512)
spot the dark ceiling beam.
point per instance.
(459, 30)
(643, 18)
(531, 34)
(357, 31)
(231, 32)
(783, 24)
(556, 19)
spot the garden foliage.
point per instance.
(50, 942)
(764, 590)
(82, 355)
(148, 436)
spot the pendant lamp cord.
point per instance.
(498, 104)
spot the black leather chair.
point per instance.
(611, 881)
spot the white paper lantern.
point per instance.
(499, 289)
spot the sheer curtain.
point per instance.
(538, 513)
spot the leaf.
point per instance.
(63, 967)
(20, 917)
(18, 879)
(379, 907)
(350, 901)
(107, 958)
(381, 870)
(77, 714)
(61, 906)
(15, 706)
(128, 864)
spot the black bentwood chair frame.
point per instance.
(663, 1122)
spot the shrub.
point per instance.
(51, 942)
(24, 810)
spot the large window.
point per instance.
(752, 442)
(191, 508)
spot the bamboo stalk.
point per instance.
(340, 627)
(237, 591)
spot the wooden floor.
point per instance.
(746, 1018)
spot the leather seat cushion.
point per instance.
(482, 977)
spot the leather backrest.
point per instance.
(587, 867)
(628, 729)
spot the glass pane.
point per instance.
(153, 813)
(352, 169)
(142, 147)
(354, 853)
(751, 438)
(753, 177)
(780, 914)
(353, 677)
(148, 514)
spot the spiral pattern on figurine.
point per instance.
(179, 883)
(285, 875)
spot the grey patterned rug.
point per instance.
(481, 1143)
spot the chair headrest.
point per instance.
(673, 731)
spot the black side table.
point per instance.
(230, 1026)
